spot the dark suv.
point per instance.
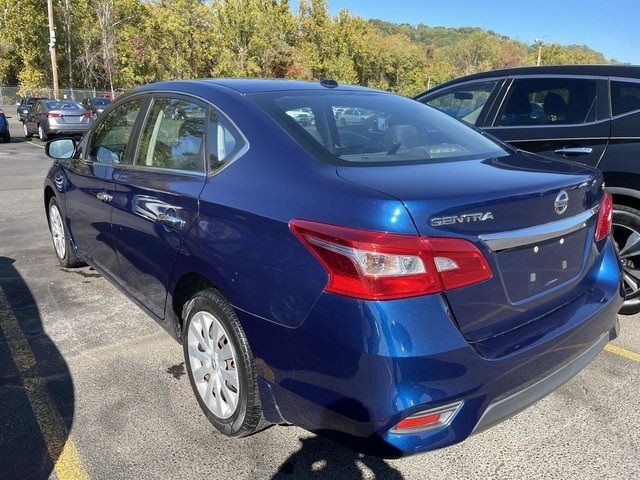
(588, 114)
(24, 106)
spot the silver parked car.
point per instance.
(57, 117)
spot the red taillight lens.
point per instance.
(53, 115)
(381, 266)
(87, 115)
(605, 217)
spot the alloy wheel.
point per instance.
(57, 231)
(41, 133)
(628, 241)
(25, 129)
(212, 360)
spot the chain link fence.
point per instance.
(9, 94)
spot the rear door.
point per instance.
(556, 117)
(157, 196)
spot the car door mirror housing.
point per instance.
(60, 148)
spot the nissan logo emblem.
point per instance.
(561, 203)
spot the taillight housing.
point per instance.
(87, 114)
(374, 265)
(52, 115)
(605, 217)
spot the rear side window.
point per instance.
(225, 142)
(550, 101)
(109, 140)
(464, 102)
(173, 135)
(625, 97)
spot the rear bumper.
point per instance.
(70, 129)
(354, 369)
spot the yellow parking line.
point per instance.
(34, 144)
(68, 464)
(622, 352)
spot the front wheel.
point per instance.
(60, 236)
(41, 134)
(626, 235)
(220, 365)
(25, 129)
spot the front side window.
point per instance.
(109, 140)
(173, 136)
(549, 101)
(464, 102)
(371, 128)
(625, 97)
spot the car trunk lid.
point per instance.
(532, 218)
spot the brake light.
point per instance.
(87, 115)
(53, 115)
(375, 265)
(605, 217)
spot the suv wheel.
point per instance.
(43, 136)
(626, 235)
(221, 368)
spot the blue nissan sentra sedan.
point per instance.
(395, 283)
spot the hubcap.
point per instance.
(57, 231)
(628, 241)
(212, 361)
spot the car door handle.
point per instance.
(574, 151)
(104, 197)
(170, 220)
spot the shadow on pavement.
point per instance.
(320, 459)
(36, 398)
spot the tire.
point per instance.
(626, 233)
(216, 401)
(41, 134)
(60, 237)
(25, 129)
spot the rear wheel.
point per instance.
(626, 235)
(220, 365)
(41, 134)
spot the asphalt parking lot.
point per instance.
(90, 387)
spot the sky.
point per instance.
(610, 26)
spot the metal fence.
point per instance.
(9, 94)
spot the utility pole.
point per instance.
(52, 49)
(539, 42)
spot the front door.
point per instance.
(555, 117)
(158, 197)
(92, 177)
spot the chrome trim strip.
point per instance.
(540, 233)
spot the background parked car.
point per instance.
(57, 117)
(24, 106)
(5, 136)
(96, 105)
(353, 115)
(589, 114)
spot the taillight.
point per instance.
(52, 115)
(87, 114)
(605, 216)
(375, 265)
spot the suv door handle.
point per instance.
(171, 220)
(104, 197)
(574, 151)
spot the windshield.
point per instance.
(64, 106)
(373, 128)
(100, 102)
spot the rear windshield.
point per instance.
(63, 106)
(348, 128)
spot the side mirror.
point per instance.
(60, 148)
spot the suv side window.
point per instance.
(224, 142)
(625, 97)
(464, 102)
(550, 101)
(109, 140)
(173, 135)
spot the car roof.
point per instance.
(247, 86)
(595, 70)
